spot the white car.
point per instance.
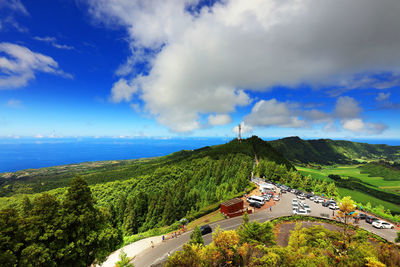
(276, 198)
(333, 206)
(301, 197)
(382, 225)
(295, 206)
(318, 200)
(295, 201)
(299, 212)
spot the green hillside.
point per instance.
(44, 179)
(328, 152)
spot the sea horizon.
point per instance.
(33, 153)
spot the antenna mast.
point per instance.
(240, 131)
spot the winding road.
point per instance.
(158, 254)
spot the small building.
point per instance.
(233, 207)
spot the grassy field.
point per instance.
(352, 171)
(364, 198)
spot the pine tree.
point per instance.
(91, 237)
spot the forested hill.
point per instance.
(327, 151)
(44, 179)
(108, 201)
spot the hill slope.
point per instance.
(44, 179)
(327, 152)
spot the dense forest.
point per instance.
(64, 224)
(328, 152)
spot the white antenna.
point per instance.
(240, 131)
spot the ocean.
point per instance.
(20, 154)
(24, 153)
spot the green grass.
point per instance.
(351, 171)
(364, 199)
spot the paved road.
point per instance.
(159, 253)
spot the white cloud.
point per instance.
(359, 126)
(19, 65)
(266, 113)
(14, 103)
(347, 107)
(383, 96)
(273, 113)
(219, 119)
(53, 42)
(123, 90)
(200, 63)
(14, 5)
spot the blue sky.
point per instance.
(199, 68)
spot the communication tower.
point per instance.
(240, 131)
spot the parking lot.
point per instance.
(284, 208)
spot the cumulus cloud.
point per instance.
(273, 113)
(204, 61)
(19, 64)
(383, 96)
(53, 41)
(219, 119)
(347, 107)
(346, 113)
(359, 126)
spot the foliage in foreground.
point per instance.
(52, 233)
(313, 246)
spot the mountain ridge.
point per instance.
(329, 152)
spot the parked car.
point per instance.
(307, 208)
(382, 225)
(309, 196)
(295, 206)
(299, 212)
(327, 203)
(295, 201)
(371, 219)
(318, 200)
(283, 191)
(255, 205)
(301, 197)
(361, 216)
(333, 206)
(205, 229)
(276, 198)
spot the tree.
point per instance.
(45, 237)
(91, 237)
(346, 213)
(255, 232)
(124, 260)
(196, 236)
(12, 237)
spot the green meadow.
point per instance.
(354, 171)
(351, 171)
